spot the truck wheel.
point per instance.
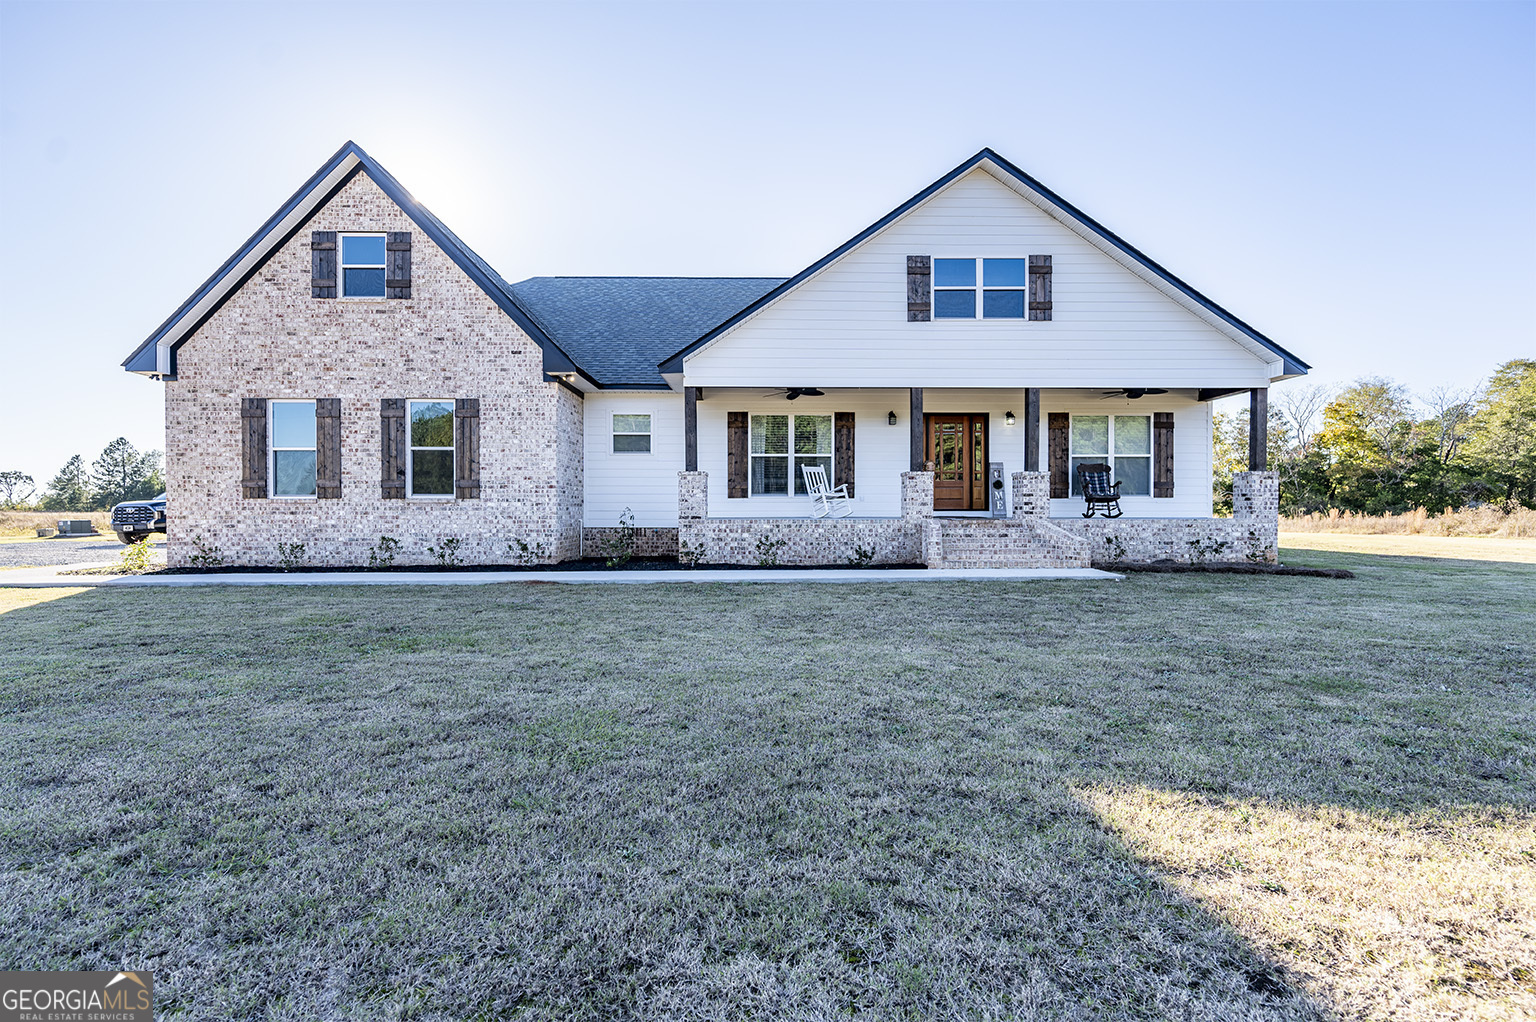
(125, 538)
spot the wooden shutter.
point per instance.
(328, 448)
(466, 448)
(842, 446)
(1058, 444)
(322, 259)
(397, 272)
(253, 448)
(736, 459)
(1162, 454)
(1040, 288)
(392, 451)
(919, 289)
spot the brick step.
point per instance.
(1000, 543)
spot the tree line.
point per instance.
(120, 473)
(1374, 448)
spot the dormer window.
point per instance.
(363, 260)
(1002, 283)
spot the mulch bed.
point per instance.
(590, 564)
(1224, 568)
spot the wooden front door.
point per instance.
(957, 446)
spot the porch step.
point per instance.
(1000, 543)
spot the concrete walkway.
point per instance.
(43, 578)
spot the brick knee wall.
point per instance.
(1185, 540)
(659, 542)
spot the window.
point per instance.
(293, 448)
(362, 265)
(631, 434)
(781, 444)
(1124, 442)
(1003, 287)
(430, 473)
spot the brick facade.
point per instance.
(449, 340)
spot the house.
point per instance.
(354, 371)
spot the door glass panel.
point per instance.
(947, 437)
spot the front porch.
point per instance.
(1028, 538)
(1006, 503)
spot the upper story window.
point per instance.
(430, 472)
(631, 434)
(363, 260)
(1002, 282)
(292, 448)
(781, 444)
(1123, 442)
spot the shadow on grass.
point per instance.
(724, 801)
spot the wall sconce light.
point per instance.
(1008, 419)
(890, 418)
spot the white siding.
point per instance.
(647, 484)
(644, 483)
(847, 325)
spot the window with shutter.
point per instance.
(397, 277)
(253, 448)
(1162, 454)
(919, 288)
(392, 450)
(322, 247)
(466, 415)
(1039, 287)
(328, 448)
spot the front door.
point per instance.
(957, 446)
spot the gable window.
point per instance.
(1123, 442)
(631, 434)
(293, 448)
(781, 445)
(430, 472)
(362, 265)
(1002, 283)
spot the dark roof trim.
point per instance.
(144, 358)
(1292, 366)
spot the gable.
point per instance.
(156, 356)
(1116, 310)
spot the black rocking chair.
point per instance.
(1098, 493)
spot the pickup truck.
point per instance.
(132, 520)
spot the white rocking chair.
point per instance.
(826, 500)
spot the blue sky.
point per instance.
(1358, 181)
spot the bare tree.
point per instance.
(16, 488)
(1450, 416)
(1303, 404)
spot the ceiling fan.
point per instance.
(790, 393)
(1132, 393)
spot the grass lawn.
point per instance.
(1177, 796)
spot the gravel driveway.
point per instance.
(38, 553)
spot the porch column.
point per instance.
(919, 448)
(690, 429)
(1258, 429)
(1032, 429)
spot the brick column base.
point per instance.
(1031, 495)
